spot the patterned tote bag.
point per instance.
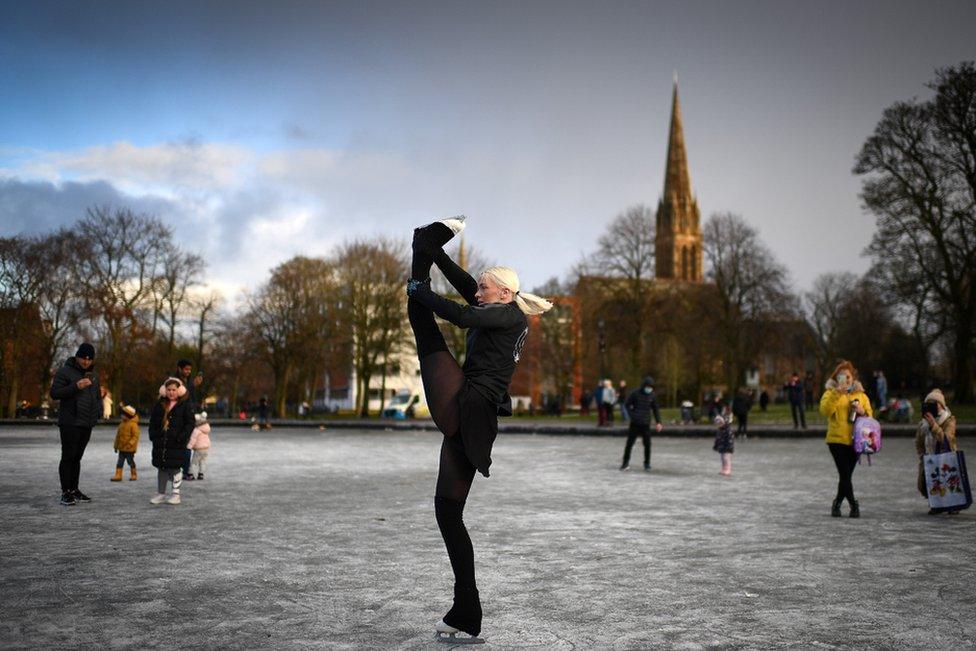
(947, 481)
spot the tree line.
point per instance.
(119, 279)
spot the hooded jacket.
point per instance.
(77, 407)
(170, 432)
(640, 405)
(835, 406)
(127, 436)
(200, 438)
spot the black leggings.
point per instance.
(845, 459)
(443, 380)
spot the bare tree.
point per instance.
(752, 288)
(621, 270)
(825, 307)
(371, 277)
(920, 169)
(204, 308)
(295, 315)
(37, 282)
(557, 352)
(180, 272)
(120, 256)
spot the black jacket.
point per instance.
(170, 433)
(78, 407)
(794, 392)
(496, 334)
(741, 405)
(640, 405)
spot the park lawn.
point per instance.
(775, 414)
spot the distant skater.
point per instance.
(640, 405)
(724, 440)
(465, 402)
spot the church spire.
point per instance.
(677, 180)
(678, 246)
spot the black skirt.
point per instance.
(478, 427)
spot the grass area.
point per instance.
(775, 414)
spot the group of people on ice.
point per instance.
(179, 435)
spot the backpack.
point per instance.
(867, 437)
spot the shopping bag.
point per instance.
(947, 482)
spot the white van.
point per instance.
(405, 405)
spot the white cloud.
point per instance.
(172, 169)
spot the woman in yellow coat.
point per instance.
(843, 400)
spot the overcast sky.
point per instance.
(265, 130)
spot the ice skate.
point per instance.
(433, 236)
(447, 633)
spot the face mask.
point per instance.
(648, 389)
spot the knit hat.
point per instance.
(200, 418)
(936, 395)
(129, 411)
(86, 350)
(648, 381)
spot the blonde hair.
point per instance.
(507, 278)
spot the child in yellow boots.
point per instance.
(126, 442)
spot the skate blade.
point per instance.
(456, 223)
(455, 638)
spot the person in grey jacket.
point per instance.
(76, 386)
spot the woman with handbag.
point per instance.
(936, 433)
(465, 401)
(842, 401)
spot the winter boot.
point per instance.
(835, 507)
(118, 474)
(855, 509)
(132, 474)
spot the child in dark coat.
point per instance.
(170, 427)
(724, 440)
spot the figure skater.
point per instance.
(465, 402)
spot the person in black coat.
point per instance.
(641, 404)
(741, 404)
(184, 371)
(77, 388)
(794, 391)
(170, 425)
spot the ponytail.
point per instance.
(529, 303)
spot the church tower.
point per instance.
(678, 250)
